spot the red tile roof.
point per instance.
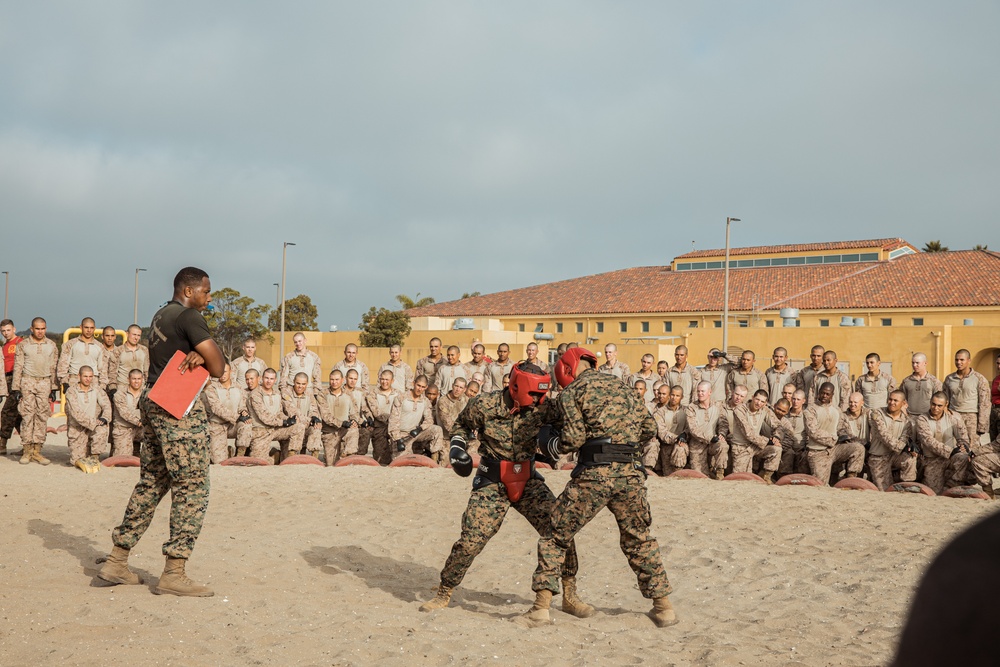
(922, 280)
(885, 244)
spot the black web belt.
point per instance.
(601, 451)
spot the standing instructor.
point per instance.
(176, 454)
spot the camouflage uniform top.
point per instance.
(502, 435)
(597, 405)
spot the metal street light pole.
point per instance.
(6, 282)
(725, 298)
(281, 337)
(277, 295)
(135, 303)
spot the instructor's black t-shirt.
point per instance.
(174, 327)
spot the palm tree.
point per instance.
(407, 303)
(935, 246)
(980, 246)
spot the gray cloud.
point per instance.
(447, 147)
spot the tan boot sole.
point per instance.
(167, 591)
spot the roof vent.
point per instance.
(789, 316)
(847, 321)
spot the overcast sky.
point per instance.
(444, 148)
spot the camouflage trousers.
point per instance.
(338, 443)
(311, 437)
(881, 469)
(124, 437)
(428, 442)
(35, 409)
(219, 435)
(821, 462)
(10, 418)
(482, 519)
(706, 457)
(260, 443)
(381, 451)
(83, 443)
(744, 455)
(175, 458)
(941, 473)
(971, 421)
(364, 439)
(622, 490)
(984, 465)
(793, 461)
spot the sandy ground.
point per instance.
(327, 566)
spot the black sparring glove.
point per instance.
(461, 462)
(345, 424)
(288, 422)
(102, 421)
(53, 395)
(65, 387)
(714, 441)
(548, 441)
(957, 450)
(842, 439)
(371, 422)
(315, 421)
(415, 432)
(15, 395)
(683, 439)
(243, 418)
(401, 445)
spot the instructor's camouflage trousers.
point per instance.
(623, 491)
(482, 519)
(174, 458)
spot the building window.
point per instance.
(918, 321)
(520, 326)
(558, 327)
(579, 327)
(693, 324)
(769, 324)
(743, 324)
(623, 327)
(668, 326)
(824, 323)
(887, 321)
(600, 327)
(645, 327)
(539, 327)
(717, 324)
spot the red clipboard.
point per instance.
(177, 393)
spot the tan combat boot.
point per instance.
(3, 446)
(767, 477)
(988, 488)
(852, 474)
(439, 601)
(36, 456)
(175, 582)
(115, 569)
(538, 615)
(241, 451)
(662, 612)
(26, 454)
(720, 473)
(571, 604)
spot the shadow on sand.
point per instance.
(406, 581)
(55, 538)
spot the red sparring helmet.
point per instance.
(526, 382)
(565, 369)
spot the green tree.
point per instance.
(416, 302)
(383, 327)
(469, 295)
(235, 318)
(935, 246)
(981, 246)
(300, 315)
